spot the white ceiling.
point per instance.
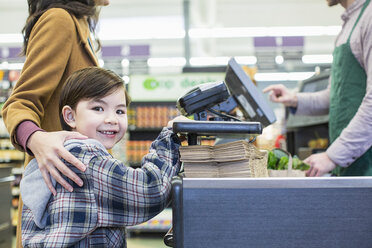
(203, 14)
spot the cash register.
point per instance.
(333, 212)
(211, 105)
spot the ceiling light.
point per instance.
(11, 38)
(125, 63)
(246, 60)
(166, 62)
(110, 31)
(11, 66)
(317, 59)
(209, 61)
(279, 59)
(126, 79)
(283, 76)
(237, 32)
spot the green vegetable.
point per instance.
(298, 164)
(279, 153)
(283, 163)
(278, 160)
(272, 161)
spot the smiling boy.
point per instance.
(94, 102)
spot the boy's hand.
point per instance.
(178, 118)
(48, 150)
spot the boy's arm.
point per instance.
(128, 196)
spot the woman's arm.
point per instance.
(48, 53)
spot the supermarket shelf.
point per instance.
(16, 191)
(11, 158)
(18, 170)
(7, 161)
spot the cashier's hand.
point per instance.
(280, 94)
(48, 150)
(320, 164)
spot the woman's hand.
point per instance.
(48, 150)
(320, 164)
(280, 94)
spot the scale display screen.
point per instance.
(249, 98)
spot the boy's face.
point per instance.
(104, 119)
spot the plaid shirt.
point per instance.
(113, 196)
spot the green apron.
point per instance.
(348, 88)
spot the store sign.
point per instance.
(144, 88)
(10, 52)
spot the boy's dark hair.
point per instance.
(88, 83)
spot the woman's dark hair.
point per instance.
(78, 8)
(88, 83)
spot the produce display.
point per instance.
(318, 143)
(278, 160)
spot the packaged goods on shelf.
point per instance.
(7, 156)
(151, 116)
(136, 149)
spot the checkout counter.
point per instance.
(332, 212)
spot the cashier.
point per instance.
(347, 99)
